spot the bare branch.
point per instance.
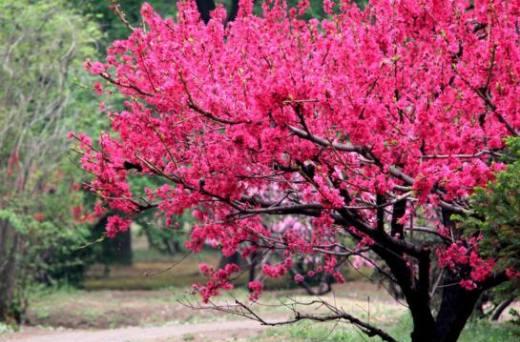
(116, 8)
(334, 315)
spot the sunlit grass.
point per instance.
(475, 331)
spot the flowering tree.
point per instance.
(372, 124)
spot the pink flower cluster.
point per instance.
(278, 270)
(115, 225)
(218, 279)
(255, 288)
(464, 258)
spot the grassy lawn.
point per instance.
(151, 272)
(475, 331)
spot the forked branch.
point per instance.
(333, 314)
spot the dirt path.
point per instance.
(211, 331)
(157, 315)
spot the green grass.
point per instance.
(152, 271)
(313, 332)
(6, 328)
(488, 332)
(475, 331)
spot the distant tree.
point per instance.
(43, 95)
(103, 12)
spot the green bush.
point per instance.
(44, 94)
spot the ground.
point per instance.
(134, 304)
(161, 315)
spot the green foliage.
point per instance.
(497, 212)
(316, 7)
(44, 45)
(44, 94)
(51, 252)
(497, 220)
(100, 11)
(167, 239)
(474, 331)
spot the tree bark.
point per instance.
(252, 268)
(416, 297)
(397, 229)
(117, 250)
(8, 271)
(456, 307)
(232, 259)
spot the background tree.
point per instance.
(42, 48)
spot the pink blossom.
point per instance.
(95, 68)
(468, 284)
(298, 278)
(98, 88)
(255, 288)
(116, 224)
(511, 273)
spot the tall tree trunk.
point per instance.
(416, 297)
(232, 259)
(10, 244)
(456, 307)
(122, 243)
(117, 250)
(252, 268)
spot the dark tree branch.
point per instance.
(108, 78)
(397, 229)
(205, 7)
(116, 8)
(501, 307)
(380, 201)
(233, 11)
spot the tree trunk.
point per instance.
(252, 267)
(415, 293)
(232, 259)
(117, 250)
(423, 324)
(10, 244)
(122, 243)
(456, 307)
(457, 303)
